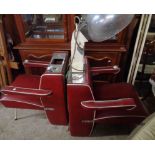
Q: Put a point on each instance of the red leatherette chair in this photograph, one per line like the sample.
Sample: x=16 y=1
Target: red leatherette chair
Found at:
x=88 y=103
x=45 y=92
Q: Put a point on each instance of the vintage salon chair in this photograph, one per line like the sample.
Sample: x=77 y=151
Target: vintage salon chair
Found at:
x=45 y=92
x=90 y=103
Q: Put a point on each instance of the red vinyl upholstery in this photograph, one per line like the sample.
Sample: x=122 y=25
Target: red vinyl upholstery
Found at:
x=45 y=92
x=97 y=102
x=24 y=81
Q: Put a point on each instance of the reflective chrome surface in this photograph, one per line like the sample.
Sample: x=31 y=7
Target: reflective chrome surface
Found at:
x=104 y=26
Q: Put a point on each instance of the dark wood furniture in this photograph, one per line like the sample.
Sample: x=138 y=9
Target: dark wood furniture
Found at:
x=33 y=42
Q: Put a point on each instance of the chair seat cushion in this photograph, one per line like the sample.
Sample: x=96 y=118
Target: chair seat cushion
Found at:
x=27 y=81
x=117 y=91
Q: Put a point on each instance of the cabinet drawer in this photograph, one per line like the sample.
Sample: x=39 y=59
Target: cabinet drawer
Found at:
x=104 y=58
x=26 y=54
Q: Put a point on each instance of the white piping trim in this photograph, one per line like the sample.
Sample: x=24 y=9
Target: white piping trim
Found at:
x=86 y=86
x=108 y=117
x=117 y=70
x=94 y=115
x=93 y=123
x=17 y=92
x=106 y=106
x=100 y=101
x=45 y=109
x=26 y=93
x=23 y=88
x=29 y=103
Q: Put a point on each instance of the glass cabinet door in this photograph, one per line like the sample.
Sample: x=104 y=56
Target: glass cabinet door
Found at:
x=44 y=26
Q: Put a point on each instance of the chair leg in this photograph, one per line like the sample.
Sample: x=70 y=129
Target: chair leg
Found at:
x=15 y=116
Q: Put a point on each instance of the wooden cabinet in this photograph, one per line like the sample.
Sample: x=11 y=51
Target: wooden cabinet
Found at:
x=43 y=28
x=43 y=34
x=100 y=54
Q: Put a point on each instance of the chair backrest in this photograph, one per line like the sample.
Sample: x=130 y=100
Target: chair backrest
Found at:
x=56 y=69
x=78 y=91
x=54 y=79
